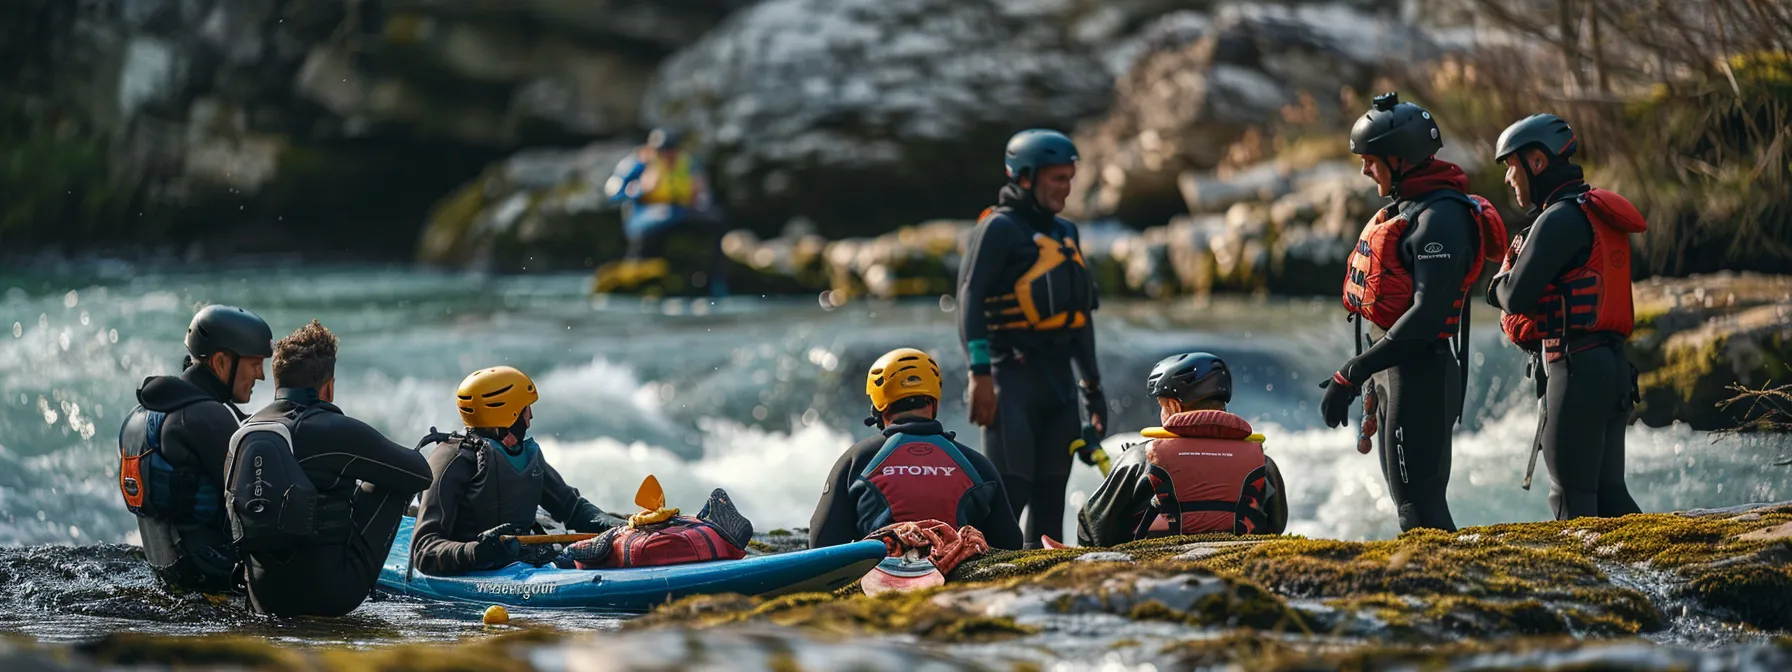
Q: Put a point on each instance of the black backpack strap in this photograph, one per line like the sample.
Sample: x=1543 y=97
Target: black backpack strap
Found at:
x=1414 y=207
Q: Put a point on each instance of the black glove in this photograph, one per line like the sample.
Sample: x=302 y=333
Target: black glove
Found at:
x=1339 y=392
x=1095 y=404
x=491 y=549
x=586 y=517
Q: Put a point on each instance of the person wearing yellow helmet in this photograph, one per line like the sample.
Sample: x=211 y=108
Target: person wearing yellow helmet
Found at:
x=914 y=470
x=489 y=481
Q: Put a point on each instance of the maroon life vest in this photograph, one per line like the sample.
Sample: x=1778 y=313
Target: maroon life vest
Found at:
x=1207 y=477
x=915 y=477
x=681 y=540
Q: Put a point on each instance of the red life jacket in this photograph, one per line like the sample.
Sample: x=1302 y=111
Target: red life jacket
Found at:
x=914 y=478
x=1378 y=287
x=1210 y=477
x=1594 y=297
x=681 y=540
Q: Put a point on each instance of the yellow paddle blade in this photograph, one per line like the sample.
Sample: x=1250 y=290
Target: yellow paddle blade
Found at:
x=650 y=497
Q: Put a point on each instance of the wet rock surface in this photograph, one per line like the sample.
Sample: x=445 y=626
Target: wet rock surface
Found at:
x=1582 y=594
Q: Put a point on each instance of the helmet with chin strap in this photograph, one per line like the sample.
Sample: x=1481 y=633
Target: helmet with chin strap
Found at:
x=1546 y=133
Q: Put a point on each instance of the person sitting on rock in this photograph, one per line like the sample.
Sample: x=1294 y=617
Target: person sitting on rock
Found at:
x=664 y=190
x=914 y=471
x=1203 y=471
x=490 y=480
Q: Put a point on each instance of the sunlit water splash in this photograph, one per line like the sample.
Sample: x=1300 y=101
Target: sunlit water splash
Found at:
x=759 y=396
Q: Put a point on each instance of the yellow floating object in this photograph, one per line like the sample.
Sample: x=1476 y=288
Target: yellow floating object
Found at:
x=496 y=615
x=1255 y=438
x=1157 y=433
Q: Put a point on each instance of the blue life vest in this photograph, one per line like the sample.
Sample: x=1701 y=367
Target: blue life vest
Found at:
x=158 y=489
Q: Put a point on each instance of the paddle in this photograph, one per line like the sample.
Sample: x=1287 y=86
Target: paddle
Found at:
x=530 y=539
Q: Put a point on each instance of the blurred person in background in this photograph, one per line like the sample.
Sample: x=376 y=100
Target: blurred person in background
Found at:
x=665 y=191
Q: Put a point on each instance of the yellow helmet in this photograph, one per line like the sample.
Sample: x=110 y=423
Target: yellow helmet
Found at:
x=494 y=397
x=900 y=374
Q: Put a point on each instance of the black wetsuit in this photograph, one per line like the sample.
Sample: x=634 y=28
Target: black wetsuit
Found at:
x=839 y=515
x=478 y=489
x=193 y=554
x=346 y=460
x=1113 y=512
x=1414 y=372
x=1587 y=396
x=1037 y=412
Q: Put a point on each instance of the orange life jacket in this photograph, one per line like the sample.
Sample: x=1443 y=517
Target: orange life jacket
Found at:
x=1209 y=475
x=1378 y=287
x=1591 y=298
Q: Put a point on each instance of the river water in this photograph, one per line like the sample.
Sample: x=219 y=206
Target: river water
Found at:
x=755 y=395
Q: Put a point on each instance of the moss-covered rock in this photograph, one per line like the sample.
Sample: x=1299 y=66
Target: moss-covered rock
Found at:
x=1696 y=337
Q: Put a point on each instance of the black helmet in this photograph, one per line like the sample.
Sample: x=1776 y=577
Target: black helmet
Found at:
x=229 y=329
x=1544 y=131
x=1190 y=378
x=1396 y=129
x=664 y=138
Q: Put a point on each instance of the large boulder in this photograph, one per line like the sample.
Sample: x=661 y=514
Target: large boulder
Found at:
x=1186 y=104
x=863 y=115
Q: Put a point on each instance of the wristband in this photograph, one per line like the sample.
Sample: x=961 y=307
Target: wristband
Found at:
x=979 y=351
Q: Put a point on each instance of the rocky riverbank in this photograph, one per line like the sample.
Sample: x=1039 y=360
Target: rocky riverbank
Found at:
x=1702 y=589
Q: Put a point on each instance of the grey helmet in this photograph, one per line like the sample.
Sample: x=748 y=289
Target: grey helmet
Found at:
x=1545 y=131
x=1190 y=378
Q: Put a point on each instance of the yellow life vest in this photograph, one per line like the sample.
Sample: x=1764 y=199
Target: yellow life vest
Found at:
x=672 y=185
x=1055 y=293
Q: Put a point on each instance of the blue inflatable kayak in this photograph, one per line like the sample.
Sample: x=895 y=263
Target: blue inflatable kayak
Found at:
x=634 y=589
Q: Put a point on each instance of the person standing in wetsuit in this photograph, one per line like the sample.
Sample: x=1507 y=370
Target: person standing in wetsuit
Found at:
x=1203 y=471
x=1409 y=274
x=173 y=444
x=490 y=480
x=1565 y=292
x=1026 y=302
x=914 y=470
x=363 y=482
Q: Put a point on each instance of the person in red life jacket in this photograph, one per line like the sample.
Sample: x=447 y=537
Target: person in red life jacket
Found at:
x=1411 y=270
x=1565 y=292
x=1203 y=471
x=658 y=536
x=914 y=471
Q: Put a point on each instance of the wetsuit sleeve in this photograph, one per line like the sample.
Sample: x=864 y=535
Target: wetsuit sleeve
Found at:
x=1560 y=234
x=1084 y=355
x=1112 y=512
x=557 y=498
x=999 y=526
x=984 y=256
x=1276 y=509
x=836 y=519
x=355 y=450
x=1447 y=227
x=432 y=550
